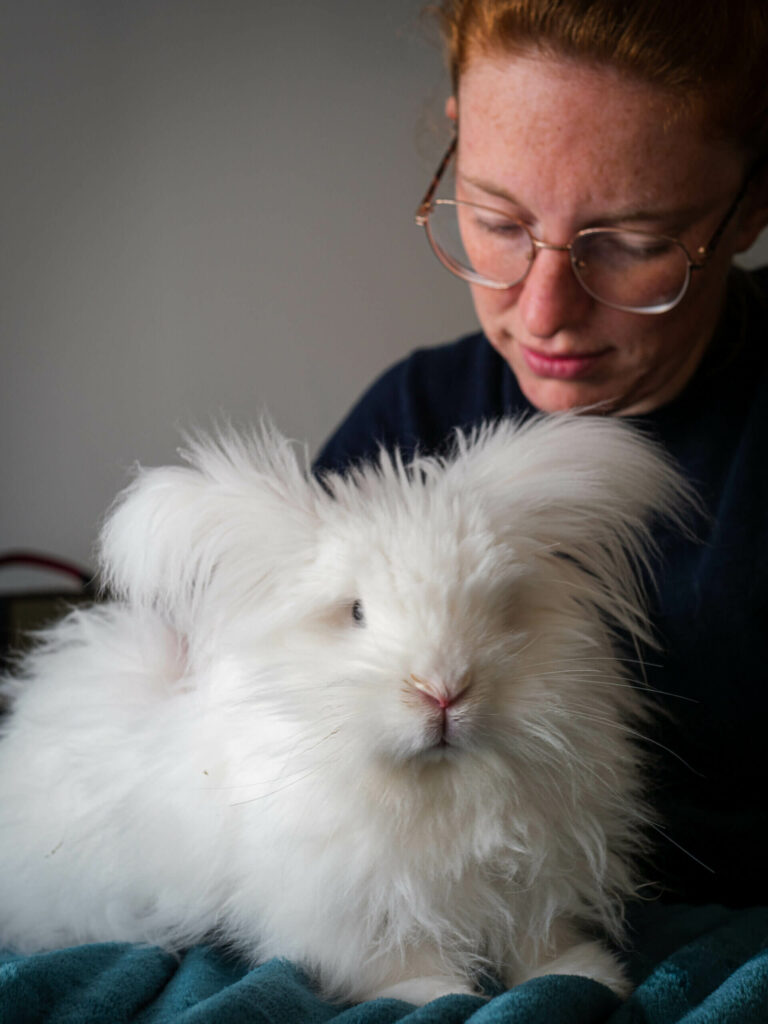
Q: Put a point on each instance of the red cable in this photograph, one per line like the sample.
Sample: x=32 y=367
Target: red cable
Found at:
x=42 y=561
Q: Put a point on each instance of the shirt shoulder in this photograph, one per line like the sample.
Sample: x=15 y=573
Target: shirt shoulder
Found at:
x=418 y=402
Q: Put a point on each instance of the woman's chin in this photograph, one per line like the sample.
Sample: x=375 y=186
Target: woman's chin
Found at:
x=550 y=395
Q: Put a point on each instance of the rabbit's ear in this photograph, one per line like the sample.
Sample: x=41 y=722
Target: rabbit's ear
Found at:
x=178 y=535
x=581 y=475
x=583 y=488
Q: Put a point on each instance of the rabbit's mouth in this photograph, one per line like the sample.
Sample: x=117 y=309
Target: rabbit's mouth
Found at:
x=442 y=750
x=441 y=744
x=444 y=734
x=448 y=729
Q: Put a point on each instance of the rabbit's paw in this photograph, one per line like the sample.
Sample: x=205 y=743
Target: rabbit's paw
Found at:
x=590 y=960
x=423 y=990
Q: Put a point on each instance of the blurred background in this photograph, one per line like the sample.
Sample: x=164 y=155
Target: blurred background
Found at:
x=207 y=211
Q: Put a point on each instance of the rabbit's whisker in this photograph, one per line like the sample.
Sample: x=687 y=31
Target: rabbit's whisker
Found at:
x=574 y=712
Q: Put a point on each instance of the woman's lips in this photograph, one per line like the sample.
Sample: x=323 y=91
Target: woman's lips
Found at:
x=561 y=367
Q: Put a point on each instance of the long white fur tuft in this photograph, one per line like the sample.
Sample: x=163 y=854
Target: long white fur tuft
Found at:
x=377 y=723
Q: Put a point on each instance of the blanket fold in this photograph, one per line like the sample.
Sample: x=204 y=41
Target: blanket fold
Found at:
x=692 y=965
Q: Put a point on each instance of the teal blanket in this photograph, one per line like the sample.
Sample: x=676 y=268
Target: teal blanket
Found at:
x=693 y=965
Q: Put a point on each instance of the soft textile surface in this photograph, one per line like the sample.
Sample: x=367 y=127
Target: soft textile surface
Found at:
x=702 y=965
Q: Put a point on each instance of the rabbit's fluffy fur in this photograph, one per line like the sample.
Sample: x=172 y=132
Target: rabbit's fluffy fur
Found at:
x=374 y=723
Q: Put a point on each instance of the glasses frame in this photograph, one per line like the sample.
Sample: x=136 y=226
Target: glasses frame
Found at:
x=704 y=252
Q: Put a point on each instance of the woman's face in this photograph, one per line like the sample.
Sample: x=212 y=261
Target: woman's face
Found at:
x=563 y=146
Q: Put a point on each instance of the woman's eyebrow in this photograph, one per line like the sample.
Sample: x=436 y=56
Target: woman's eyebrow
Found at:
x=489 y=188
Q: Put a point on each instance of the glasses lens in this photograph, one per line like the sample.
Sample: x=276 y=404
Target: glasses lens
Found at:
x=631 y=270
x=479 y=244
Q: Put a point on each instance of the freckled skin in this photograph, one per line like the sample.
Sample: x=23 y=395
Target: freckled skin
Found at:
x=579 y=146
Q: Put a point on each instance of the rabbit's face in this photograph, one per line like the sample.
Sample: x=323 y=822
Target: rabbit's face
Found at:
x=414 y=654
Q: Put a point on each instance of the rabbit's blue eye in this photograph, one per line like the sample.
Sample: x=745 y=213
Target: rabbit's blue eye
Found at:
x=357 y=612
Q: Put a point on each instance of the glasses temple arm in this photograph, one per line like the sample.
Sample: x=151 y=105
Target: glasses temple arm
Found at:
x=705 y=251
x=426 y=203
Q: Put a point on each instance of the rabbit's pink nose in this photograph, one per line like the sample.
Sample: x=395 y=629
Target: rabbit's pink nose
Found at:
x=439 y=694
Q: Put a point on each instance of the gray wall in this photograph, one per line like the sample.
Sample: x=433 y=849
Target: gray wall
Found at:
x=206 y=210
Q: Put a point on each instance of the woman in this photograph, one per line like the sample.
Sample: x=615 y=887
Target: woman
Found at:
x=608 y=165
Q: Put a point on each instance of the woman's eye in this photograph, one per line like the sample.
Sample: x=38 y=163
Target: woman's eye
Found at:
x=358 y=614
x=507 y=229
x=628 y=246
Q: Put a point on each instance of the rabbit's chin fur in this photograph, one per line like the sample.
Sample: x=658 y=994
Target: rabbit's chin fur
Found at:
x=375 y=723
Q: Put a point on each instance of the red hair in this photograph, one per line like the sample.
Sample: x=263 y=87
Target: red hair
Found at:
x=709 y=52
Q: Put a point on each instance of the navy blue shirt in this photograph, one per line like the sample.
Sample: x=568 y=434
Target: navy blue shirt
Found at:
x=710 y=758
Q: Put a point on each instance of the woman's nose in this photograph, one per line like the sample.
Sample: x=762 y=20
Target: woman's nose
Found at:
x=550 y=298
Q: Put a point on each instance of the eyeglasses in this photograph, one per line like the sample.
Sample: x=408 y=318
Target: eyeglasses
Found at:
x=633 y=271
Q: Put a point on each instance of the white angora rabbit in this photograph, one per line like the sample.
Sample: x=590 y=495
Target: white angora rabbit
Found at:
x=375 y=724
